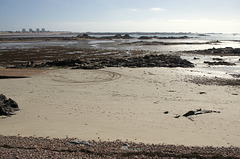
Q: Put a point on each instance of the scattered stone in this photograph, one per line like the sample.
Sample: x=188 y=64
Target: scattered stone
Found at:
x=32 y=147
x=235 y=94
x=202 y=92
x=217 y=59
x=235 y=75
x=195 y=58
x=7 y=106
x=166 y=112
x=177 y=116
x=125 y=146
x=81 y=142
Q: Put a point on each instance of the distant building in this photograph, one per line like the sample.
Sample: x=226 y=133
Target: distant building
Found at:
x=43 y=30
x=30 y=30
x=37 y=30
x=24 y=30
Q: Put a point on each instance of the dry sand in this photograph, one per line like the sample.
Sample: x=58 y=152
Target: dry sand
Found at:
x=122 y=103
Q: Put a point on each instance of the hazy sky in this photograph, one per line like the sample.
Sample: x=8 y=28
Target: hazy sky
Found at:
x=121 y=15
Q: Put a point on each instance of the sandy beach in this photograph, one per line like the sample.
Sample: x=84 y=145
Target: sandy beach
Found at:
x=130 y=104
x=120 y=79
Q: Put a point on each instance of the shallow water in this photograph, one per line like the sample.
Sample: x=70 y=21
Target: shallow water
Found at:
x=165 y=48
x=226 y=40
x=118 y=44
x=207 y=36
x=204 y=69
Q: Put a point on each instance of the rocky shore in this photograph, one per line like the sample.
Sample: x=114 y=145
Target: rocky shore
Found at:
x=32 y=147
x=163 y=88
x=219 y=51
x=167 y=43
x=167 y=37
x=84 y=36
x=96 y=63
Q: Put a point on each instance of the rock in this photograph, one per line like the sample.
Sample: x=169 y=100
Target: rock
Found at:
x=81 y=142
x=145 y=37
x=166 y=112
x=219 y=63
x=217 y=59
x=172 y=37
x=118 y=36
x=97 y=63
x=7 y=106
x=126 y=36
x=83 y=36
x=221 y=51
x=236 y=51
x=235 y=75
x=125 y=146
x=195 y=58
x=177 y=116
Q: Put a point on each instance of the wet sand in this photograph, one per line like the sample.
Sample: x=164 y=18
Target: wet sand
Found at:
x=20 y=73
x=123 y=103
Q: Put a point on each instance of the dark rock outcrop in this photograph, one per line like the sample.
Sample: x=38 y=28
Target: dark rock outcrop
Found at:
x=96 y=63
x=220 y=63
x=7 y=106
x=118 y=36
x=126 y=36
x=145 y=37
x=156 y=37
x=83 y=36
x=171 y=37
x=218 y=51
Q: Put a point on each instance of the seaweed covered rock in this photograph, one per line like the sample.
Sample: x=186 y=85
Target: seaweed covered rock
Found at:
x=7 y=106
x=83 y=36
x=127 y=36
x=143 y=61
x=227 y=51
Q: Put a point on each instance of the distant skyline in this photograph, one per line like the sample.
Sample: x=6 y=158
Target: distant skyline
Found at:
x=221 y=16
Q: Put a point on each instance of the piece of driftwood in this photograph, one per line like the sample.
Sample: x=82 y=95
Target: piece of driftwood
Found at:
x=198 y=112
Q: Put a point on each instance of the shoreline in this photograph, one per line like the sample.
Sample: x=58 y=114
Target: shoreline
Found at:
x=117 y=106
x=122 y=103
